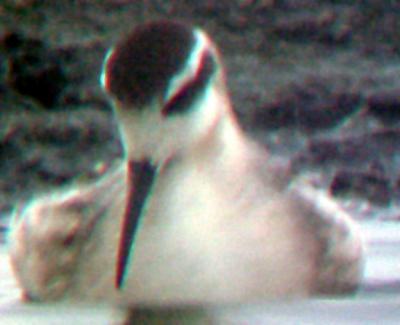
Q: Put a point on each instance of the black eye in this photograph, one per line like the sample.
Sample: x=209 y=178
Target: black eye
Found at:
x=183 y=100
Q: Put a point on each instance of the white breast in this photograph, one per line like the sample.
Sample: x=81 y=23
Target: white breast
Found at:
x=210 y=240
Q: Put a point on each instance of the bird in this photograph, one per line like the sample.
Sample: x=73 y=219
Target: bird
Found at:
x=195 y=213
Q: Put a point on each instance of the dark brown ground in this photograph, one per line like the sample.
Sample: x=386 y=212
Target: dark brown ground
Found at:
x=316 y=81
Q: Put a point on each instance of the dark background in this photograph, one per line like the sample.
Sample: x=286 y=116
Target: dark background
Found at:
x=317 y=82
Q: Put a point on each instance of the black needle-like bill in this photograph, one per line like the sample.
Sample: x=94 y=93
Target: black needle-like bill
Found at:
x=141 y=176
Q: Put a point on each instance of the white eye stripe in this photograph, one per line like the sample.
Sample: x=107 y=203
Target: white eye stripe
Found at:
x=104 y=76
x=191 y=67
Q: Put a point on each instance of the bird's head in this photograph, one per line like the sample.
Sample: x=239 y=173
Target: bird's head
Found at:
x=167 y=87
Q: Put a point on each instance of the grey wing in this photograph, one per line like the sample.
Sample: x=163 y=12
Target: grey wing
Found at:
x=339 y=263
x=47 y=235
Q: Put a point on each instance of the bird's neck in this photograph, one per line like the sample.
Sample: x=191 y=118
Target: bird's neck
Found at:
x=225 y=137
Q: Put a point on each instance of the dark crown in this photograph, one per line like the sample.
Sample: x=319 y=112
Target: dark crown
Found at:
x=142 y=64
